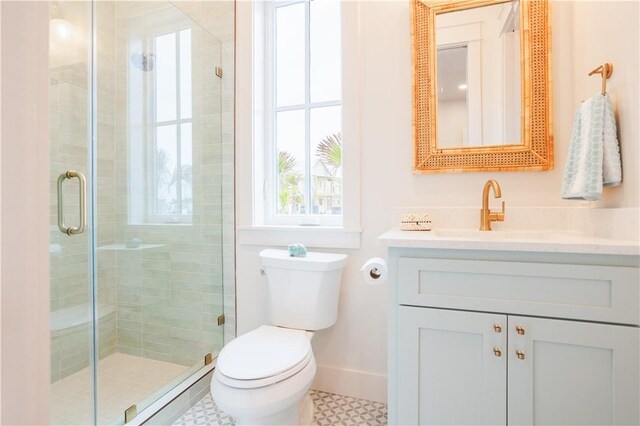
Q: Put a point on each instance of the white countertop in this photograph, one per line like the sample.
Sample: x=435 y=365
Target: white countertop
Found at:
x=509 y=240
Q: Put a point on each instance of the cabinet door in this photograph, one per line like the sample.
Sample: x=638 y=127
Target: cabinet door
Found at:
x=572 y=373
x=448 y=371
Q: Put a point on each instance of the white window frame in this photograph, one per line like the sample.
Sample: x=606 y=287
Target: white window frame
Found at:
x=152 y=194
x=250 y=137
x=271 y=110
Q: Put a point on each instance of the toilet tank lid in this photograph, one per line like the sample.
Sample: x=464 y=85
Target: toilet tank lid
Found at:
x=263 y=352
x=314 y=261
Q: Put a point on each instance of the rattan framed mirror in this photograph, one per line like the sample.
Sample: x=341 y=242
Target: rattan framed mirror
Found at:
x=531 y=144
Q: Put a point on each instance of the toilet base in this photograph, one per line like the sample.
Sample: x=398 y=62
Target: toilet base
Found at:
x=297 y=415
x=306 y=412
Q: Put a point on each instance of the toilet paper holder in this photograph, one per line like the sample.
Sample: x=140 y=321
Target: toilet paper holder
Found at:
x=375 y=273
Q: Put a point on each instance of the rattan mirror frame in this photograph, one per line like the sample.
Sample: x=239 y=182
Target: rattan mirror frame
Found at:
x=535 y=153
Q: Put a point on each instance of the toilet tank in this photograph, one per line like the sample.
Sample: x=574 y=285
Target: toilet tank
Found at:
x=303 y=291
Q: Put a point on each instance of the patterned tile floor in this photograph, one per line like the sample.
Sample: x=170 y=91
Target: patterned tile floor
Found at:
x=330 y=409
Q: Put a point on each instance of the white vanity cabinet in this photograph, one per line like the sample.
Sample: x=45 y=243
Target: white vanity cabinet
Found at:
x=448 y=371
x=572 y=373
x=513 y=338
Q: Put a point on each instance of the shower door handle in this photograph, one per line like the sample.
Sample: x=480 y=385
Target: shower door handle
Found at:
x=71 y=230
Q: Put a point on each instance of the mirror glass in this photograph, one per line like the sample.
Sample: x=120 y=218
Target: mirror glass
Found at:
x=478 y=76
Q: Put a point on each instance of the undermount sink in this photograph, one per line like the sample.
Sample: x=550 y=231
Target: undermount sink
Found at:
x=475 y=234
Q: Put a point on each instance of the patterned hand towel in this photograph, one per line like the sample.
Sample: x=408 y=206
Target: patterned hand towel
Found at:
x=594 y=153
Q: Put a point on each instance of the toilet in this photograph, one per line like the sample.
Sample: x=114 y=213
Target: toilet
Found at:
x=263 y=377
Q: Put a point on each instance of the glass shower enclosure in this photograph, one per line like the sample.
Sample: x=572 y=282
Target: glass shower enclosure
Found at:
x=136 y=205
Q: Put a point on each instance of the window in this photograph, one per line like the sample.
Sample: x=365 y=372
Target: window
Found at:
x=171 y=156
x=303 y=97
x=159 y=127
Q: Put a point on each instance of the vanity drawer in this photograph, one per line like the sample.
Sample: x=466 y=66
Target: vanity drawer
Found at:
x=593 y=293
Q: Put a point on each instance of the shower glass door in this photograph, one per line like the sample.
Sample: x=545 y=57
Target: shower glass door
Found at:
x=70 y=260
x=135 y=298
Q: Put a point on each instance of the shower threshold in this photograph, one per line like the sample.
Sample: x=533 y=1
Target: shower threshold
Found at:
x=123 y=380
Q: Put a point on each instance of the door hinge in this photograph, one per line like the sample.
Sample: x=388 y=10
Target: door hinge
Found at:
x=219 y=71
x=130 y=413
x=208 y=359
x=221 y=320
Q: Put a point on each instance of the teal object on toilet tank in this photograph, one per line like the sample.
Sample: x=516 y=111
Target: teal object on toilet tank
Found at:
x=297 y=250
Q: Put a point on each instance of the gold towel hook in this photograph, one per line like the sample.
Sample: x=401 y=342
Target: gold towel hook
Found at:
x=605 y=70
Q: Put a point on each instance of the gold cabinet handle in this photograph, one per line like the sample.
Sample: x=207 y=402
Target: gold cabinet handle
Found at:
x=497 y=352
x=497 y=328
x=71 y=230
x=520 y=330
x=520 y=354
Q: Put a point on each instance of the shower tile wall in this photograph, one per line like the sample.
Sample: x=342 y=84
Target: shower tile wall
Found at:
x=69 y=268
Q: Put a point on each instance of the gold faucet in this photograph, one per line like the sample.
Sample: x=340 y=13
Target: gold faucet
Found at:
x=486 y=215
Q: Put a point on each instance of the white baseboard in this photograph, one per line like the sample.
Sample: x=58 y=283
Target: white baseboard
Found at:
x=358 y=384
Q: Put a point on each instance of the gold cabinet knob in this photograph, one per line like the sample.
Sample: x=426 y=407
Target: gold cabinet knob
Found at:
x=520 y=354
x=520 y=330
x=497 y=352
x=497 y=328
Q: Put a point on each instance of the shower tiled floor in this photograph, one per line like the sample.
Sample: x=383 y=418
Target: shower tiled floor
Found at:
x=330 y=409
x=123 y=380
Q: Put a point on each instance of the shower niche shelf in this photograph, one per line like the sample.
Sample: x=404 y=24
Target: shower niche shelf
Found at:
x=124 y=247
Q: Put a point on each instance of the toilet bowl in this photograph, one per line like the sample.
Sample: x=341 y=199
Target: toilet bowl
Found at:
x=263 y=377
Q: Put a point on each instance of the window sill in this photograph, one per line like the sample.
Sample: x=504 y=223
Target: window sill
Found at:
x=316 y=236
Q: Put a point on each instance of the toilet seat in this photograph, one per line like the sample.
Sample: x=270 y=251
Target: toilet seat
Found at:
x=257 y=383
x=263 y=356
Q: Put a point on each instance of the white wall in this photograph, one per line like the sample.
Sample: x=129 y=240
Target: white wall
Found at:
x=608 y=31
x=0 y=216
x=352 y=355
x=25 y=207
